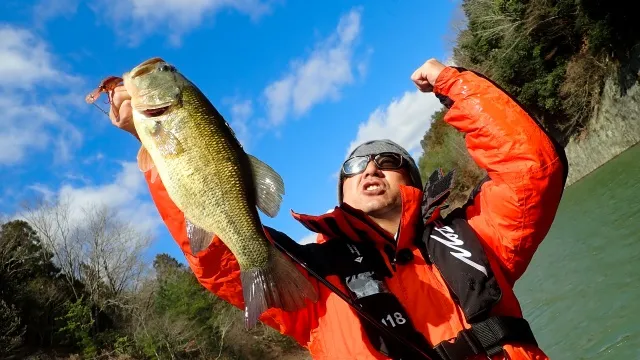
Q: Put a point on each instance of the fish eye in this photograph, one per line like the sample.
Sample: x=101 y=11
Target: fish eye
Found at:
x=166 y=67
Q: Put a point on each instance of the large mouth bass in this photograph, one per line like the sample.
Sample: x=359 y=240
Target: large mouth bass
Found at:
x=214 y=182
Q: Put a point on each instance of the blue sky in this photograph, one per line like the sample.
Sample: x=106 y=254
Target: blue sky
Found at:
x=300 y=82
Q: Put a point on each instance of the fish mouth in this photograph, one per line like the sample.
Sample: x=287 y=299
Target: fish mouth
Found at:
x=154 y=111
x=145 y=68
x=151 y=113
x=150 y=100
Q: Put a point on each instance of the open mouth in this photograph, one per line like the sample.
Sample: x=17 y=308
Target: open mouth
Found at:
x=373 y=188
x=150 y=113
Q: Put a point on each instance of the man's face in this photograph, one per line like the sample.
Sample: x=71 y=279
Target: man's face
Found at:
x=374 y=191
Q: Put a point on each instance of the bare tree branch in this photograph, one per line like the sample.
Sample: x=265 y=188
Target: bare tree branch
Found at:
x=93 y=246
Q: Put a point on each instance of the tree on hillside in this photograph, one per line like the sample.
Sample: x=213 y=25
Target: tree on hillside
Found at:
x=21 y=253
x=93 y=246
x=11 y=329
x=444 y=148
x=165 y=265
x=32 y=294
x=14 y=268
x=552 y=55
x=100 y=257
x=175 y=317
x=87 y=306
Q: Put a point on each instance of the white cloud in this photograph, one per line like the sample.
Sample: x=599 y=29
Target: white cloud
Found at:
x=107 y=226
x=17 y=136
x=31 y=121
x=26 y=126
x=320 y=76
x=125 y=194
x=49 y=9
x=25 y=60
x=308 y=239
x=241 y=112
x=99 y=156
x=43 y=190
x=404 y=121
x=138 y=18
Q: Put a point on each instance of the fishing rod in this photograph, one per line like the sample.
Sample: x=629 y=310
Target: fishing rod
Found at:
x=432 y=354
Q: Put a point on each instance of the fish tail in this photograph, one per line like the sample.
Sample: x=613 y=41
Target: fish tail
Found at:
x=279 y=285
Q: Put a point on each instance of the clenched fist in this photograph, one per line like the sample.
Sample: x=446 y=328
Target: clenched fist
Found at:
x=427 y=74
x=120 y=112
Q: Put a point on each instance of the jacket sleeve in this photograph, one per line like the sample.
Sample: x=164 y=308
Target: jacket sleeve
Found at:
x=514 y=209
x=217 y=270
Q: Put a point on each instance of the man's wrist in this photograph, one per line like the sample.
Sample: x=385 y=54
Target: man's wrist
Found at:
x=434 y=71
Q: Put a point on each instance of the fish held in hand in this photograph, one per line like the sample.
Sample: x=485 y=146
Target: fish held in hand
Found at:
x=214 y=182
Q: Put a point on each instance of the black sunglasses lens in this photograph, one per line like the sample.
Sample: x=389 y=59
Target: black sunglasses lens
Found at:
x=384 y=161
x=388 y=161
x=355 y=165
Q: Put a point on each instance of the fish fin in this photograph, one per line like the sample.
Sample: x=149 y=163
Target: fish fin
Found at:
x=199 y=238
x=145 y=163
x=269 y=187
x=154 y=175
x=281 y=285
x=167 y=143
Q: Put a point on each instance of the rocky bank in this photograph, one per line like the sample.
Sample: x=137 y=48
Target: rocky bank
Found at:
x=613 y=128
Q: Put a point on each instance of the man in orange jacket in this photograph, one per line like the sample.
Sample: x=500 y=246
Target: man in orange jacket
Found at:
x=443 y=285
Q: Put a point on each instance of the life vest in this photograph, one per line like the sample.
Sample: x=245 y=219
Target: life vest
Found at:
x=452 y=246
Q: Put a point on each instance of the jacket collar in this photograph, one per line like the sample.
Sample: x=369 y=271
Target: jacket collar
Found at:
x=346 y=221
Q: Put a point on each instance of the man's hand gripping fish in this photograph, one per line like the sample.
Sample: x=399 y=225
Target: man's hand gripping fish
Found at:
x=213 y=182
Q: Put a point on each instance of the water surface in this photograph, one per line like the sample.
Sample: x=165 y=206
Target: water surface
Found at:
x=581 y=292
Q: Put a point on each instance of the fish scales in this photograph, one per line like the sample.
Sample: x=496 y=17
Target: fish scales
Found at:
x=220 y=206
x=218 y=187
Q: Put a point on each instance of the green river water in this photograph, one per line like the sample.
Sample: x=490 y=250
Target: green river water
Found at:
x=581 y=292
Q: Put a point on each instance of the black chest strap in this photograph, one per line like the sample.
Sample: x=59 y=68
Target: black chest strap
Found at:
x=486 y=337
x=453 y=247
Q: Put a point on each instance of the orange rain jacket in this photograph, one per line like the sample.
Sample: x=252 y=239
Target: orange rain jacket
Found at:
x=511 y=215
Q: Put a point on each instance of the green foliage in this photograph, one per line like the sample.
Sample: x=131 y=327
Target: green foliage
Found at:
x=171 y=316
x=179 y=294
x=30 y=288
x=537 y=50
x=124 y=345
x=552 y=56
x=444 y=148
x=11 y=329
x=77 y=324
x=189 y=310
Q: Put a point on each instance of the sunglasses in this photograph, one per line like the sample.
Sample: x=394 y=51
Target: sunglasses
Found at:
x=384 y=161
